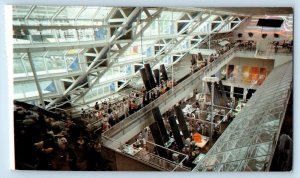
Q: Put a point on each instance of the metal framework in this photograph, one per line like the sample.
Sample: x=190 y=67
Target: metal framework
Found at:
x=69 y=28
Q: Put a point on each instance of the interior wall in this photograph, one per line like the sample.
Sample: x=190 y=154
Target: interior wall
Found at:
x=121 y=162
x=253 y=62
x=109 y=154
x=125 y=163
x=243 y=71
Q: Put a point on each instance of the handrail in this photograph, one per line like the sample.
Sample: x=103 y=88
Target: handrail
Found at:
x=162 y=163
x=160 y=99
x=180 y=164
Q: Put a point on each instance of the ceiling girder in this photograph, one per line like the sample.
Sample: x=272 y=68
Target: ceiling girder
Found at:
x=131 y=18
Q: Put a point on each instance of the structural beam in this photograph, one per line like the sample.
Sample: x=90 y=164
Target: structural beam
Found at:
x=30 y=12
x=61 y=27
x=20 y=48
x=122 y=50
x=36 y=79
x=130 y=20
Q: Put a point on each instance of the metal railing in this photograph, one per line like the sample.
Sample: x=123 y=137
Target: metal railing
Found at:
x=150 y=158
x=171 y=93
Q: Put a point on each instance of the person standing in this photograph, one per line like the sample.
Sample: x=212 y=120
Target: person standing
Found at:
x=97 y=106
x=276 y=47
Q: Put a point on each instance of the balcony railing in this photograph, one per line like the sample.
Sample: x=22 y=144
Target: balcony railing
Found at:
x=181 y=87
x=141 y=154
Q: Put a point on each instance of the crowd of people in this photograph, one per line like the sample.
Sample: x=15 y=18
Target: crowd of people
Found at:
x=72 y=137
x=277 y=46
x=195 y=66
x=284 y=46
x=197 y=124
x=45 y=143
x=109 y=113
x=249 y=45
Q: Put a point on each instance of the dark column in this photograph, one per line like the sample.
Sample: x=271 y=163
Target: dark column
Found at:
x=157 y=76
x=145 y=79
x=223 y=92
x=158 y=139
x=194 y=59
x=158 y=118
x=150 y=75
x=200 y=58
x=217 y=95
x=176 y=132
x=182 y=122
x=163 y=72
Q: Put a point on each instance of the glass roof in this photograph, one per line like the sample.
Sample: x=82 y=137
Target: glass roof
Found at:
x=20 y=11
x=69 y=12
x=168 y=15
x=50 y=27
x=88 y=13
x=102 y=14
x=44 y=12
x=247 y=143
